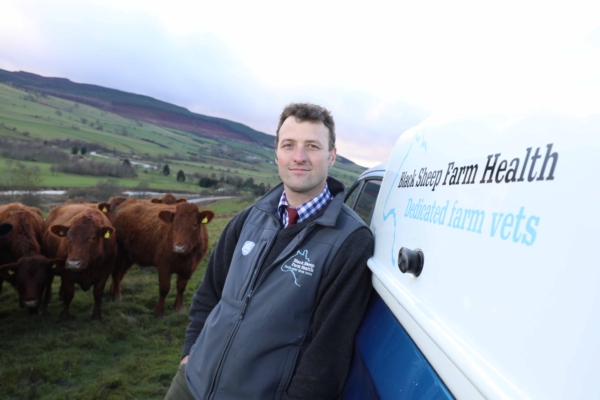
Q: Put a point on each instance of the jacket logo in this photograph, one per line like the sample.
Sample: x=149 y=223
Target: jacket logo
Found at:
x=248 y=246
x=299 y=263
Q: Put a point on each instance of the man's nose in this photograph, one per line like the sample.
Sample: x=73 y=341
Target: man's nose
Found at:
x=299 y=154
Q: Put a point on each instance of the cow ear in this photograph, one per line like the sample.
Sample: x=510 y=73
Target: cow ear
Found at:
x=104 y=207
x=56 y=266
x=8 y=271
x=182 y=200
x=107 y=231
x=166 y=216
x=59 y=230
x=156 y=201
x=206 y=216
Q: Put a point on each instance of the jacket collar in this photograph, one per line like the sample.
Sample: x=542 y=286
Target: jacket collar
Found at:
x=269 y=202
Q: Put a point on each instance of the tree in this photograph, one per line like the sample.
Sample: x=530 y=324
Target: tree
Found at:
x=21 y=178
x=126 y=163
x=207 y=182
x=74 y=150
x=166 y=170
x=83 y=151
x=180 y=176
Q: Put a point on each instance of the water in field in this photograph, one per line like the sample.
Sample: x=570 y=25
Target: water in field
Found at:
x=193 y=198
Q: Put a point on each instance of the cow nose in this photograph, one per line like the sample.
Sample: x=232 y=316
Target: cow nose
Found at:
x=30 y=303
x=74 y=264
x=179 y=249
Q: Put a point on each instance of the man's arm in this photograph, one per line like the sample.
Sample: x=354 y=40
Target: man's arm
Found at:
x=209 y=292
x=341 y=303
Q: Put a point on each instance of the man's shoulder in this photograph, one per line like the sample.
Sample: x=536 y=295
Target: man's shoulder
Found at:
x=352 y=214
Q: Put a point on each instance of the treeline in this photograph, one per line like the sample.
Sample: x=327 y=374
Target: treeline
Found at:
x=90 y=167
x=30 y=151
x=238 y=183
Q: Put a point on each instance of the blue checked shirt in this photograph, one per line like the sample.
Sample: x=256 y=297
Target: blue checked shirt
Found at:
x=307 y=209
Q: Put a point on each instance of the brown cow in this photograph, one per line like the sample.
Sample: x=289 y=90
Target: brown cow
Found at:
x=168 y=198
x=173 y=238
x=30 y=276
x=26 y=235
x=81 y=235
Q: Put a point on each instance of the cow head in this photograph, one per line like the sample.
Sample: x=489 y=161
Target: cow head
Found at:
x=188 y=226
x=5 y=228
x=29 y=276
x=26 y=233
x=83 y=241
x=168 y=199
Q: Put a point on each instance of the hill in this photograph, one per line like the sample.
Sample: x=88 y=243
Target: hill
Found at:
x=31 y=117
x=136 y=106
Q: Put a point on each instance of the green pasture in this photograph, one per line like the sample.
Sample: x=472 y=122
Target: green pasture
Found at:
x=30 y=116
x=129 y=355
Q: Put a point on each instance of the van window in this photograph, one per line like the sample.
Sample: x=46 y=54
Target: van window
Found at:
x=352 y=195
x=366 y=201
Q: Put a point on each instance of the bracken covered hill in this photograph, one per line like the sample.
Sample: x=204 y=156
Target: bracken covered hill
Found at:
x=136 y=106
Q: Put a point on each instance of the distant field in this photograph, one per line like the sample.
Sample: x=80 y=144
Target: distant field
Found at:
x=29 y=116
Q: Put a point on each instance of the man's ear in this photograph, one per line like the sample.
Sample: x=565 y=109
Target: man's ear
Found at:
x=332 y=155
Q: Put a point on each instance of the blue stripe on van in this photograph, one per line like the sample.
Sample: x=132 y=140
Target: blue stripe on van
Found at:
x=387 y=364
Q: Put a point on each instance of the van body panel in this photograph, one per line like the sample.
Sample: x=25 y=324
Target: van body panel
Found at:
x=505 y=210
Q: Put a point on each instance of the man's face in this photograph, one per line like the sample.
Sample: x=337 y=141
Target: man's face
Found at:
x=303 y=159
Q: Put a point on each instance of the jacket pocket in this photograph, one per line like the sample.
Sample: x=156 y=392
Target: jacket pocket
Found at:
x=288 y=370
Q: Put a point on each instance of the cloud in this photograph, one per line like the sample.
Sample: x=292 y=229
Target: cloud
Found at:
x=381 y=68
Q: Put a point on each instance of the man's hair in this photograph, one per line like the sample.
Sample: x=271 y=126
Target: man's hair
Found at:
x=311 y=113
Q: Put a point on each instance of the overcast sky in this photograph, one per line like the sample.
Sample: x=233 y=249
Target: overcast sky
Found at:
x=380 y=67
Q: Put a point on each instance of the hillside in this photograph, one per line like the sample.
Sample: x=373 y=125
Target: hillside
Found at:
x=29 y=114
x=136 y=106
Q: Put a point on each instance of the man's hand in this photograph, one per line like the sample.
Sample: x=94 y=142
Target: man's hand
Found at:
x=184 y=360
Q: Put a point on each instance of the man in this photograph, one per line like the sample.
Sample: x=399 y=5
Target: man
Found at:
x=287 y=284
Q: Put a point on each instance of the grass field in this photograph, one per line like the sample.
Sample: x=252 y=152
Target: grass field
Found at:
x=129 y=355
x=33 y=117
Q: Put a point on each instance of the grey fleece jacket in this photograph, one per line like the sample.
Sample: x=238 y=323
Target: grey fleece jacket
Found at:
x=342 y=299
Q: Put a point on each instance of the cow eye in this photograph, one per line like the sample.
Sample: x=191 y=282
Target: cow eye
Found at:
x=196 y=225
x=94 y=238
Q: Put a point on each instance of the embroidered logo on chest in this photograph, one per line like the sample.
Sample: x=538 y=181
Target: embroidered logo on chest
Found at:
x=248 y=246
x=298 y=264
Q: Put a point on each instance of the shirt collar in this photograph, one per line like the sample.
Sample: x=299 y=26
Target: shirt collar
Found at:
x=305 y=210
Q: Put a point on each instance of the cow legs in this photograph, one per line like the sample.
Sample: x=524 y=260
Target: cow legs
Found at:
x=48 y=291
x=122 y=265
x=181 y=285
x=67 y=289
x=164 y=285
x=98 y=291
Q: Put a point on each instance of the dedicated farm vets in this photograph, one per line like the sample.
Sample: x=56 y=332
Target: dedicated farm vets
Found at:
x=287 y=284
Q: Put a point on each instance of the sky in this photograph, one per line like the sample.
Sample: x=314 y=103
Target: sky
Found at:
x=379 y=67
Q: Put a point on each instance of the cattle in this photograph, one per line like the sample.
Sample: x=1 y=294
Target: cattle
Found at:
x=168 y=198
x=31 y=276
x=5 y=229
x=173 y=238
x=81 y=235
x=26 y=235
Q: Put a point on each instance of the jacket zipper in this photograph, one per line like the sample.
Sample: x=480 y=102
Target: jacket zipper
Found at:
x=212 y=391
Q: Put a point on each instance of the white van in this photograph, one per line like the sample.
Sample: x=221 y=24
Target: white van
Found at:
x=486 y=271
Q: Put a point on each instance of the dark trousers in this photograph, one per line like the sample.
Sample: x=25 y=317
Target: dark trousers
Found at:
x=179 y=389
